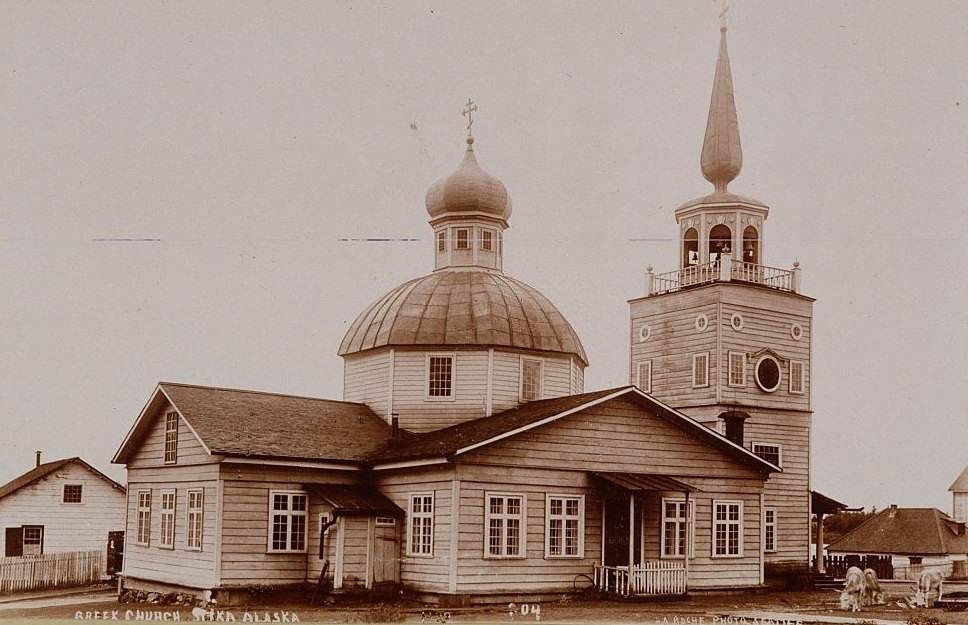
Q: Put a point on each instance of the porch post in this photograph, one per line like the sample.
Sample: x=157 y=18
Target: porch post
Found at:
x=631 y=535
x=685 y=556
x=818 y=563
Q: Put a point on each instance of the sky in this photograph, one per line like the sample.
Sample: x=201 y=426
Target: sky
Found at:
x=210 y=192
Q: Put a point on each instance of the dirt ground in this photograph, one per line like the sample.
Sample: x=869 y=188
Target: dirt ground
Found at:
x=768 y=608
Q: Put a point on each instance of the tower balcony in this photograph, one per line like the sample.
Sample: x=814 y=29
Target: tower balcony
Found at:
x=726 y=269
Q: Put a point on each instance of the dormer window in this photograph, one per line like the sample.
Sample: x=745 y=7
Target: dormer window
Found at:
x=462 y=239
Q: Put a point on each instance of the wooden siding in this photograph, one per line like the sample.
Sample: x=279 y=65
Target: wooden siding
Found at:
x=68 y=527
x=556 y=372
x=366 y=379
x=177 y=565
x=151 y=451
x=428 y=574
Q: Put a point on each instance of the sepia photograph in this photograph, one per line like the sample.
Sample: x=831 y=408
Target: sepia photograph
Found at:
x=554 y=311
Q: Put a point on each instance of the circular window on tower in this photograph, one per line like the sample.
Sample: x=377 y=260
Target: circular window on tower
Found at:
x=702 y=322
x=736 y=321
x=768 y=373
x=645 y=333
x=796 y=331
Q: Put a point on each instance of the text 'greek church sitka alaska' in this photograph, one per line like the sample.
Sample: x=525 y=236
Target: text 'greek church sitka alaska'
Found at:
x=466 y=462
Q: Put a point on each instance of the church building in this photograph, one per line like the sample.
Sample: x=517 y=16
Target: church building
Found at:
x=466 y=462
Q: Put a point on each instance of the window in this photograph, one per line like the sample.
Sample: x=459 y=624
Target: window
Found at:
x=462 y=240
x=144 y=517
x=287 y=521
x=565 y=526
x=530 y=379
x=504 y=518
x=442 y=241
x=440 y=377
x=487 y=240
x=33 y=540
x=167 y=539
x=385 y=521
x=769 y=529
x=674 y=528
x=72 y=493
x=644 y=376
x=796 y=377
x=768 y=452
x=193 y=537
x=737 y=369
x=700 y=369
x=768 y=373
x=420 y=522
x=727 y=528
x=171 y=437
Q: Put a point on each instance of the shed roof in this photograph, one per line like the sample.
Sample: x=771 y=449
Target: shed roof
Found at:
x=254 y=424
x=905 y=531
x=43 y=470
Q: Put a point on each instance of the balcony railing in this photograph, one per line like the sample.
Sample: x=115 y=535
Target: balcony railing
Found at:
x=724 y=270
x=650 y=578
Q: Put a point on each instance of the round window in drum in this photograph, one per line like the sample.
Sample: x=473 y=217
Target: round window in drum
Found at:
x=767 y=373
x=736 y=321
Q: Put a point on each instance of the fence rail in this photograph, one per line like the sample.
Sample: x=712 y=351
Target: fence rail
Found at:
x=648 y=578
x=50 y=570
x=837 y=565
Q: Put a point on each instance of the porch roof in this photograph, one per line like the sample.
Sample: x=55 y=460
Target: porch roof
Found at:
x=645 y=481
x=348 y=500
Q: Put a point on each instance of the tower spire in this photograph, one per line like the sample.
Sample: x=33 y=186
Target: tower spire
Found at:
x=722 y=156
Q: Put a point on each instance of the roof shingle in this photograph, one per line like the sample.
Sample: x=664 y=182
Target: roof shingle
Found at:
x=904 y=531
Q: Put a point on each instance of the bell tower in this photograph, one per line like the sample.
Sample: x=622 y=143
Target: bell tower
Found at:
x=726 y=338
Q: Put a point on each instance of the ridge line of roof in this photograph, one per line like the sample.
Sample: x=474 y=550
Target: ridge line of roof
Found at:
x=256 y=392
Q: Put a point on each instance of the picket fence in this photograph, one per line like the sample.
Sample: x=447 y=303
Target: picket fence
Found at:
x=50 y=570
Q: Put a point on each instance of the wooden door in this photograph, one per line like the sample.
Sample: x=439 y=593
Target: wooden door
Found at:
x=115 y=552
x=386 y=552
x=13 y=542
x=617 y=534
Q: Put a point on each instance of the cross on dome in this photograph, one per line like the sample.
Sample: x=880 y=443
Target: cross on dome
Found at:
x=468 y=112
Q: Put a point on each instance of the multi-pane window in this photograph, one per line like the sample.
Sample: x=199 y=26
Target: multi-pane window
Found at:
x=644 y=376
x=440 y=376
x=167 y=538
x=530 y=379
x=564 y=527
x=727 y=528
x=769 y=529
x=462 y=239
x=674 y=528
x=72 y=493
x=194 y=519
x=737 y=369
x=487 y=240
x=33 y=537
x=769 y=452
x=796 y=377
x=442 y=241
x=144 y=517
x=287 y=521
x=420 y=525
x=700 y=369
x=504 y=518
x=171 y=437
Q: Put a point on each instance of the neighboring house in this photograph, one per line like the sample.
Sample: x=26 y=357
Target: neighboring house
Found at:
x=468 y=464
x=915 y=538
x=59 y=506
x=959 y=497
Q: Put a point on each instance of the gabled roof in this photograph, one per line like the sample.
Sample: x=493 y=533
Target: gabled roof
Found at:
x=904 y=531
x=41 y=471
x=960 y=485
x=470 y=435
x=254 y=424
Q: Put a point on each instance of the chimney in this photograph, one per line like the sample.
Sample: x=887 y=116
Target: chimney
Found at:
x=394 y=428
x=734 y=425
x=37 y=461
x=893 y=512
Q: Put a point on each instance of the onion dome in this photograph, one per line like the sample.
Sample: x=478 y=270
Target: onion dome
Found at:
x=722 y=156
x=469 y=191
x=463 y=308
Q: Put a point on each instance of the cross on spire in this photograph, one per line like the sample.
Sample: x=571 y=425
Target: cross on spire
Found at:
x=722 y=15
x=468 y=112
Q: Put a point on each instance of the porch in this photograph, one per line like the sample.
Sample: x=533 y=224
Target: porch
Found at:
x=629 y=567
